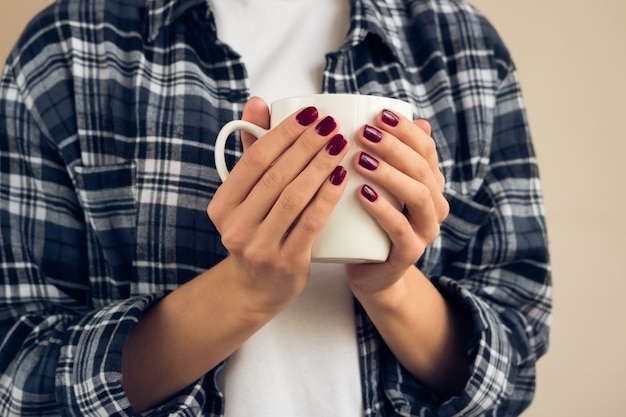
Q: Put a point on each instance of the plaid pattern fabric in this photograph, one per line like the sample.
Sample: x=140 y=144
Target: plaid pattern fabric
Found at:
x=109 y=112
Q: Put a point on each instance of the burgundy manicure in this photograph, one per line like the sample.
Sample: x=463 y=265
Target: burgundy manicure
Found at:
x=338 y=175
x=326 y=126
x=307 y=116
x=368 y=162
x=372 y=134
x=336 y=144
x=369 y=193
x=390 y=118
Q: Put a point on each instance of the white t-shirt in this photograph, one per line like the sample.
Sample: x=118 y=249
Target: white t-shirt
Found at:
x=283 y=42
x=305 y=361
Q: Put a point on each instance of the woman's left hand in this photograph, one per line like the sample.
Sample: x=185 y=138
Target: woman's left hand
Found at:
x=400 y=157
x=426 y=333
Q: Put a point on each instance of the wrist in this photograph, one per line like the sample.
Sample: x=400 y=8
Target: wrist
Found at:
x=423 y=330
x=252 y=303
x=382 y=297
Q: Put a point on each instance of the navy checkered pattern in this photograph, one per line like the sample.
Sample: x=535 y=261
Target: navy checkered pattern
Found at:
x=109 y=111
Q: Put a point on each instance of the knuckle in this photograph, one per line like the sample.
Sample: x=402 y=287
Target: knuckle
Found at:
x=291 y=202
x=443 y=211
x=421 y=169
x=290 y=128
x=234 y=241
x=399 y=228
x=433 y=232
x=216 y=209
x=430 y=149
x=327 y=201
x=213 y=212
x=441 y=179
x=323 y=164
x=395 y=146
x=272 y=179
x=422 y=196
x=311 y=224
x=328 y=196
x=311 y=143
x=254 y=157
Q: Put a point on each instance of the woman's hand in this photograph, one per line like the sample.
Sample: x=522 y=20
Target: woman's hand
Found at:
x=426 y=333
x=276 y=200
x=400 y=157
x=268 y=211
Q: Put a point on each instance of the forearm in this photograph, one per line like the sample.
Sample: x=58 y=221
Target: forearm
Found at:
x=187 y=334
x=427 y=334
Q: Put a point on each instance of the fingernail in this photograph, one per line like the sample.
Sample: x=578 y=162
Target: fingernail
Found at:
x=368 y=162
x=307 y=116
x=390 y=118
x=369 y=193
x=336 y=144
x=326 y=126
x=372 y=134
x=338 y=175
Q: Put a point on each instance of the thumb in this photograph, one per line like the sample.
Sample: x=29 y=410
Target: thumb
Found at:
x=423 y=124
x=255 y=111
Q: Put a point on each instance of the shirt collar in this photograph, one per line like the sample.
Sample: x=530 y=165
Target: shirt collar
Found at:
x=367 y=17
x=381 y=19
x=163 y=12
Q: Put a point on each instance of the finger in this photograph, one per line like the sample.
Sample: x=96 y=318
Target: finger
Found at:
x=427 y=128
x=305 y=231
x=404 y=187
x=407 y=246
x=414 y=134
x=416 y=196
x=407 y=160
x=300 y=210
x=261 y=154
x=255 y=111
x=291 y=164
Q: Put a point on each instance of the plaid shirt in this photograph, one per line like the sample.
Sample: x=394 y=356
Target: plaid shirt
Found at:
x=109 y=111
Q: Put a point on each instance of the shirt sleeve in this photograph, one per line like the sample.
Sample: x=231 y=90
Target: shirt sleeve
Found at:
x=503 y=276
x=493 y=263
x=60 y=350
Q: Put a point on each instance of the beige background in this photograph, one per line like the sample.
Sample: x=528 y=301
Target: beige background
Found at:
x=571 y=56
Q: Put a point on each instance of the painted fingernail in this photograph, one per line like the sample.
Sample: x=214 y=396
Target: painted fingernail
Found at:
x=326 y=126
x=372 y=134
x=338 y=175
x=336 y=144
x=390 y=118
x=307 y=116
x=368 y=162
x=369 y=193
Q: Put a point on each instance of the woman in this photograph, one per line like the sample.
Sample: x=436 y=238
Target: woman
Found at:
x=120 y=295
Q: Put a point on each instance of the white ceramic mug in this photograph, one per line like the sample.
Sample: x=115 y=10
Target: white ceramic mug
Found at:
x=350 y=235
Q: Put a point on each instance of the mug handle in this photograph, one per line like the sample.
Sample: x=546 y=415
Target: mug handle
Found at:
x=222 y=136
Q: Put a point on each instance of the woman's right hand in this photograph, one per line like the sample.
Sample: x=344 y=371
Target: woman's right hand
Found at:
x=275 y=201
x=269 y=212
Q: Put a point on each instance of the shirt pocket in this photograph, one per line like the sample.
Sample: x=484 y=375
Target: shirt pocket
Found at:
x=108 y=195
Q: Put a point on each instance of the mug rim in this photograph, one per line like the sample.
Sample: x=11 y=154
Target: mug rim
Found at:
x=339 y=95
